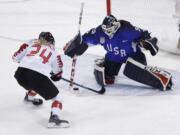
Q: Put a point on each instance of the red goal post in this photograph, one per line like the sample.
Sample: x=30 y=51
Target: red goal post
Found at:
x=108 y=7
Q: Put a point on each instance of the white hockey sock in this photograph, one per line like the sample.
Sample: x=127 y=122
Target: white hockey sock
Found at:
x=56 y=107
x=31 y=95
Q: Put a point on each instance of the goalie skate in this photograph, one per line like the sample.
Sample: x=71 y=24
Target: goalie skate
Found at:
x=55 y=122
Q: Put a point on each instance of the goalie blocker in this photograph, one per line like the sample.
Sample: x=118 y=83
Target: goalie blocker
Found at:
x=152 y=76
x=75 y=46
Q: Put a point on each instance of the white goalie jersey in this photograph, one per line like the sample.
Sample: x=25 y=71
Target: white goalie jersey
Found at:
x=38 y=57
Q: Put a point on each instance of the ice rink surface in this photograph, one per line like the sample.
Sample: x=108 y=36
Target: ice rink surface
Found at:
x=127 y=108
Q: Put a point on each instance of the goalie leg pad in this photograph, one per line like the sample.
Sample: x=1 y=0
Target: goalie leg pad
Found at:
x=151 y=45
x=148 y=75
x=99 y=71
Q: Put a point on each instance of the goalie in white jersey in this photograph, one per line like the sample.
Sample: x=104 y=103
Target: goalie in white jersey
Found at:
x=38 y=62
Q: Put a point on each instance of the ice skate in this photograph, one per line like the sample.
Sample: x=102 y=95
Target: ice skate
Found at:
x=55 y=122
x=35 y=101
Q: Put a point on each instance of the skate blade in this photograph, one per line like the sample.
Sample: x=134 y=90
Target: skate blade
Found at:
x=54 y=125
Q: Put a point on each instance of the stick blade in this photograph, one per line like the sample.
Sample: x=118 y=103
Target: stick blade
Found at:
x=102 y=91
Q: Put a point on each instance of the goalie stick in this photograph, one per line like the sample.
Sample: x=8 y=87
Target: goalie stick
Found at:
x=75 y=57
x=101 y=91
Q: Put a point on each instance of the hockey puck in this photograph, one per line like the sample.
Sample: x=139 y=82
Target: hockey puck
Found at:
x=75 y=88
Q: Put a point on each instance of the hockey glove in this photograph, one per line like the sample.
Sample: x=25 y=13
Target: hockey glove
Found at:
x=151 y=45
x=75 y=46
x=56 y=77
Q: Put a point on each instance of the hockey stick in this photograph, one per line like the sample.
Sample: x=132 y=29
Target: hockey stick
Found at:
x=101 y=91
x=75 y=57
x=12 y=39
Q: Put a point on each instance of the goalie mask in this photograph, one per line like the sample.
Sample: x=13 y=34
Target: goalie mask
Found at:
x=110 y=25
x=46 y=37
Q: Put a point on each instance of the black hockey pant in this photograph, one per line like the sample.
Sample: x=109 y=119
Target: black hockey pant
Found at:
x=32 y=80
x=112 y=68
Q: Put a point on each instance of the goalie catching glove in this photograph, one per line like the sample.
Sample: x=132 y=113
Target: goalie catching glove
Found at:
x=76 y=46
x=151 y=45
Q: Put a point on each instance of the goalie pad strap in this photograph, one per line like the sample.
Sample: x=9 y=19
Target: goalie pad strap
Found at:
x=151 y=76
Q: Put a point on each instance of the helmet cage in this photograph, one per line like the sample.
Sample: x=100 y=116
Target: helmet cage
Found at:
x=110 y=29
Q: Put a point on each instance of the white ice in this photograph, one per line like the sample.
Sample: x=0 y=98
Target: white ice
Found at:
x=126 y=109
